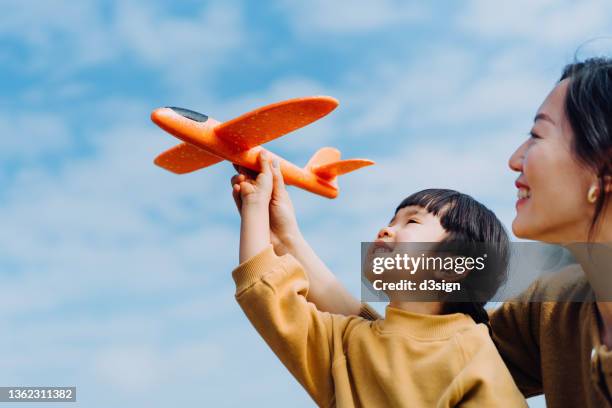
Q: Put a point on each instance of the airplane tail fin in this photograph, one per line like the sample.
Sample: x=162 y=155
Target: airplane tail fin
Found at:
x=326 y=164
x=325 y=155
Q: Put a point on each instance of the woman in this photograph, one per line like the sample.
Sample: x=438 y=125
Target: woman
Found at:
x=561 y=349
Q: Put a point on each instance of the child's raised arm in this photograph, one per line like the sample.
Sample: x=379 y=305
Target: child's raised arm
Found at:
x=326 y=291
x=272 y=290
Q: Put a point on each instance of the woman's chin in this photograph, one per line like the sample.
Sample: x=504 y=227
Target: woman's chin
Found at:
x=525 y=230
x=522 y=228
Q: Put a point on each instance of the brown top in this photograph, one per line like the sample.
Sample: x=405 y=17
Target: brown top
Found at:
x=555 y=347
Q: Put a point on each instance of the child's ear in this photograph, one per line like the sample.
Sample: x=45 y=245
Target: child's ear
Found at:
x=450 y=275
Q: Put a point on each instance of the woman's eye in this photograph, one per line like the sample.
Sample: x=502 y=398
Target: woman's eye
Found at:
x=412 y=222
x=534 y=135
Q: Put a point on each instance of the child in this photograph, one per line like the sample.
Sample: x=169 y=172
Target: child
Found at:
x=417 y=356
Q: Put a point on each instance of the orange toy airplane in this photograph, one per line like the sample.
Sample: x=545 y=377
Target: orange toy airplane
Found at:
x=207 y=141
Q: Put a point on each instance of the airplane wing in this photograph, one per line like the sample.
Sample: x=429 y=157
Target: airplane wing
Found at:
x=269 y=122
x=185 y=158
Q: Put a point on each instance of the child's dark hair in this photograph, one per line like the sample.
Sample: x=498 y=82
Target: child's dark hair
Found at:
x=468 y=223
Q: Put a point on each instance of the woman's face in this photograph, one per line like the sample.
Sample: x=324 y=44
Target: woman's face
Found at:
x=552 y=186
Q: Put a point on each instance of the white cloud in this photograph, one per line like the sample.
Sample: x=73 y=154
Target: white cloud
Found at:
x=138 y=369
x=74 y=30
x=501 y=89
x=542 y=22
x=29 y=135
x=449 y=87
x=403 y=91
x=184 y=50
x=319 y=17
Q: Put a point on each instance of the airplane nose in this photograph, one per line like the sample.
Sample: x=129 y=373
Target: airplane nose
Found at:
x=189 y=114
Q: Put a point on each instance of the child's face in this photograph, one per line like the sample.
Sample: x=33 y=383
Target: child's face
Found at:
x=412 y=224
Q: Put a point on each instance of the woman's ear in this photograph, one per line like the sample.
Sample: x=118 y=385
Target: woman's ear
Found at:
x=607 y=184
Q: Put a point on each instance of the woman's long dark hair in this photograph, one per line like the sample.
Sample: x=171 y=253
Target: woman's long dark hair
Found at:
x=588 y=106
x=470 y=226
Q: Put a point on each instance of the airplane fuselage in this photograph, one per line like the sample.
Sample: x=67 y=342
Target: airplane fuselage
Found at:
x=202 y=135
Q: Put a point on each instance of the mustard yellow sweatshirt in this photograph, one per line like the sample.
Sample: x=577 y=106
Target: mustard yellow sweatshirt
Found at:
x=405 y=360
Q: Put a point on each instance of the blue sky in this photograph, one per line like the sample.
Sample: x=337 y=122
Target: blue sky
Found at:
x=115 y=275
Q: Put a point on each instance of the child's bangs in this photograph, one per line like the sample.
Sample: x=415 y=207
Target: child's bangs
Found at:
x=434 y=201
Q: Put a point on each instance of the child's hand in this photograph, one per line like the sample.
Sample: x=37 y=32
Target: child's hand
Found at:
x=254 y=210
x=284 y=230
x=254 y=191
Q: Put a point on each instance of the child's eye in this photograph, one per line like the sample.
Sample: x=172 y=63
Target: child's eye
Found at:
x=411 y=221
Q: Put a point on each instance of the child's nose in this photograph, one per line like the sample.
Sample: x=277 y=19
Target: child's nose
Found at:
x=385 y=233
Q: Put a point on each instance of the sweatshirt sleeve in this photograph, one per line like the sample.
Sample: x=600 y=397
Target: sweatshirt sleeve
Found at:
x=485 y=381
x=515 y=326
x=271 y=291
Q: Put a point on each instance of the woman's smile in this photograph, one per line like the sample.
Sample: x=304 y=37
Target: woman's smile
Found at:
x=523 y=193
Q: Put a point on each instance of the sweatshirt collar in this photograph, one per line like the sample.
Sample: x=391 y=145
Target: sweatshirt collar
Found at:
x=424 y=325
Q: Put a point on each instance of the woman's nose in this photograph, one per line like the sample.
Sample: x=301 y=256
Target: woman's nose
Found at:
x=385 y=233
x=516 y=160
